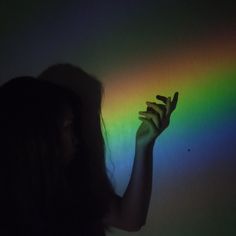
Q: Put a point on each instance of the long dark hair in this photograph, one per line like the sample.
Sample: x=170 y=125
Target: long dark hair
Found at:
x=42 y=195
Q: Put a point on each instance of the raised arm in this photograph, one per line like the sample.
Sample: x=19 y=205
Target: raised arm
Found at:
x=129 y=212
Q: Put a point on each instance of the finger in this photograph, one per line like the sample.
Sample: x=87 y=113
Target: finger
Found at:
x=157 y=108
x=168 y=106
x=148 y=121
x=174 y=101
x=144 y=119
x=154 y=117
x=161 y=106
x=162 y=98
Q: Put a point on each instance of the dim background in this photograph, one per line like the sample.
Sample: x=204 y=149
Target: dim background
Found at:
x=139 y=49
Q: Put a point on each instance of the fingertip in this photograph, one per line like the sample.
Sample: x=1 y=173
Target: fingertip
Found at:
x=176 y=94
x=141 y=118
x=176 y=97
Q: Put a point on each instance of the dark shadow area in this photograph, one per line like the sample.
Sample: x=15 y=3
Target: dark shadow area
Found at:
x=43 y=194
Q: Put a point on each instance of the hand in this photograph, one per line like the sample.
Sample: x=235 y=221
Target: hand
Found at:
x=155 y=120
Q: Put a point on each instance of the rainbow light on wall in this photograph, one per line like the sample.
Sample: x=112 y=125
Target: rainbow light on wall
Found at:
x=204 y=74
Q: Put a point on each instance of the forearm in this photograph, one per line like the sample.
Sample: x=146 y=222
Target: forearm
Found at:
x=136 y=199
x=130 y=211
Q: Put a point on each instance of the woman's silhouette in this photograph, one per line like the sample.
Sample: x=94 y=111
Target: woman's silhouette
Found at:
x=53 y=174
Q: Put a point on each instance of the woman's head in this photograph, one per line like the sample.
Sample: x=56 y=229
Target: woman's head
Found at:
x=35 y=113
x=52 y=149
x=37 y=140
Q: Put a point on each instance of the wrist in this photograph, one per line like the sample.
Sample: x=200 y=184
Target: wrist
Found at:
x=141 y=146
